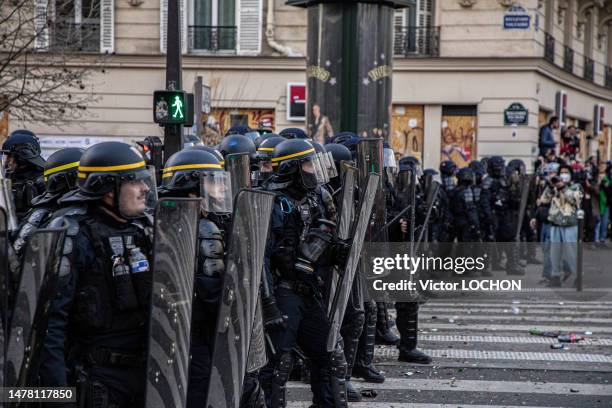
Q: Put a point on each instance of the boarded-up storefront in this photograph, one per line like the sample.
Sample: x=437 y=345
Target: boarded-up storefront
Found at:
x=219 y=121
x=407 y=130
x=458 y=134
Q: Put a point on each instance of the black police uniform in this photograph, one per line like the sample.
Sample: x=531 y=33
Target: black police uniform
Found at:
x=98 y=324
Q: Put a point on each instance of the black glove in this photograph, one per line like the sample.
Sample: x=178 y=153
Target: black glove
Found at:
x=340 y=251
x=273 y=318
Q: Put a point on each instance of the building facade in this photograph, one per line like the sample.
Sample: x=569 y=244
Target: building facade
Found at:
x=471 y=78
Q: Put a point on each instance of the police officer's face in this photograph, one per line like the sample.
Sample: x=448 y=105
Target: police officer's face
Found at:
x=308 y=167
x=215 y=188
x=265 y=167
x=133 y=197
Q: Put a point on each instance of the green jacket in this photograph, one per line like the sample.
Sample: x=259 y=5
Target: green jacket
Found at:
x=602 y=196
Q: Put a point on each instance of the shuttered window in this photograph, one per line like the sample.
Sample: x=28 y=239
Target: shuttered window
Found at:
x=249 y=27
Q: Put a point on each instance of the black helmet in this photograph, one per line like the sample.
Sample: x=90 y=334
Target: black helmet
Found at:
x=477 y=168
x=496 y=166
x=25 y=147
x=292 y=156
x=60 y=174
x=183 y=169
x=342 y=137
x=191 y=140
x=516 y=165
x=407 y=163
x=293 y=133
x=448 y=168
x=210 y=150
x=237 y=144
x=267 y=146
x=263 y=137
x=465 y=175
x=104 y=167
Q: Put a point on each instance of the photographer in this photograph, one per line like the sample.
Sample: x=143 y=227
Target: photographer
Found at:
x=564 y=198
x=570 y=143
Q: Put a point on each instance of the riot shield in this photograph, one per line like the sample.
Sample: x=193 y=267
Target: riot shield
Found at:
x=239 y=167
x=174 y=255
x=346 y=215
x=36 y=289
x=240 y=293
x=257 y=350
x=525 y=184
x=359 y=232
x=7 y=203
x=4 y=275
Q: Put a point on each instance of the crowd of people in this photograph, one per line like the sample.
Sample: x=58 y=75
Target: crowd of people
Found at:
x=97 y=331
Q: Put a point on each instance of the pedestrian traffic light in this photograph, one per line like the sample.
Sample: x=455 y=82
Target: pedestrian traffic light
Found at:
x=170 y=107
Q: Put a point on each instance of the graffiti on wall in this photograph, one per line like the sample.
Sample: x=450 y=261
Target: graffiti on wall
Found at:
x=219 y=121
x=459 y=139
x=407 y=130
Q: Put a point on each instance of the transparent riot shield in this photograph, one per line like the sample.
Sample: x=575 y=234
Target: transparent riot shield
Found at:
x=346 y=216
x=174 y=255
x=257 y=350
x=36 y=289
x=238 y=165
x=4 y=276
x=244 y=266
x=360 y=228
x=7 y=203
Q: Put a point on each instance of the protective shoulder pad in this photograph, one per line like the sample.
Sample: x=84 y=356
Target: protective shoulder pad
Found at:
x=209 y=230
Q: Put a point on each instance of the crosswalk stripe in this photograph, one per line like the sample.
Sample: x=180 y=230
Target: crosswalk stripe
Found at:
x=502 y=355
x=510 y=339
x=306 y=404
x=508 y=309
x=532 y=305
x=515 y=387
x=518 y=318
x=513 y=327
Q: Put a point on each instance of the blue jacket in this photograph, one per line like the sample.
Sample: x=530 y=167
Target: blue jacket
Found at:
x=547 y=137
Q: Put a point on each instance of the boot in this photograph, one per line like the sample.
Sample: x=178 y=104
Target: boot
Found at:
x=351 y=393
x=369 y=374
x=554 y=282
x=384 y=335
x=413 y=356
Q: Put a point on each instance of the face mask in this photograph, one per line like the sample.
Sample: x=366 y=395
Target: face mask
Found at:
x=565 y=177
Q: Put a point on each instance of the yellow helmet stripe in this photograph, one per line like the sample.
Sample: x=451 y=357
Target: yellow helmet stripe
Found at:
x=291 y=156
x=113 y=168
x=81 y=175
x=60 y=168
x=265 y=149
x=167 y=175
x=192 y=166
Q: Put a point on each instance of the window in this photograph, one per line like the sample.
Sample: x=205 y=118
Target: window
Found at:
x=213 y=25
x=415 y=35
x=75 y=25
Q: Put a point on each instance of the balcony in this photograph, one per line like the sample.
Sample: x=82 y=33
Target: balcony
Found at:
x=549 y=48
x=416 y=42
x=608 y=77
x=67 y=36
x=568 y=60
x=589 y=69
x=212 y=38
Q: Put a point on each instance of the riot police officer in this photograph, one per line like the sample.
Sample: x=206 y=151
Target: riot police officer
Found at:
x=497 y=189
x=24 y=167
x=197 y=173
x=447 y=171
x=300 y=241
x=264 y=159
x=102 y=310
x=60 y=176
x=464 y=208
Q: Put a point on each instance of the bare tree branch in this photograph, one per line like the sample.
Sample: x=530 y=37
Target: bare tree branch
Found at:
x=42 y=46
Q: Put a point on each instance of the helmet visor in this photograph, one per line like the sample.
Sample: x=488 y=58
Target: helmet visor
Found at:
x=389 y=158
x=332 y=171
x=216 y=192
x=320 y=161
x=312 y=172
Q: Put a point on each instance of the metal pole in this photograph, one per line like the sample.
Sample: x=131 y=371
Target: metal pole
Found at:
x=580 y=215
x=173 y=134
x=197 y=109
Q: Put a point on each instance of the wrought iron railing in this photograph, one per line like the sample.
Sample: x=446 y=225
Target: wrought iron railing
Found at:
x=568 y=60
x=549 y=48
x=589 y=69
x=75 y=37
x=416 y=41
x=212 y=38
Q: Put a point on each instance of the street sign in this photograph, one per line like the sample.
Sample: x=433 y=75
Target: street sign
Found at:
x=517 y=18
x=516 y=114
x=170 y=107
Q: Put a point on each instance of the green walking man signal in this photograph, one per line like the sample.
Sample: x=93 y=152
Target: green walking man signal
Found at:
x=172 y=107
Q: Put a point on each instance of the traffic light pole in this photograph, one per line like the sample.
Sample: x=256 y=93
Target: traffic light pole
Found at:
x=173 y=133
